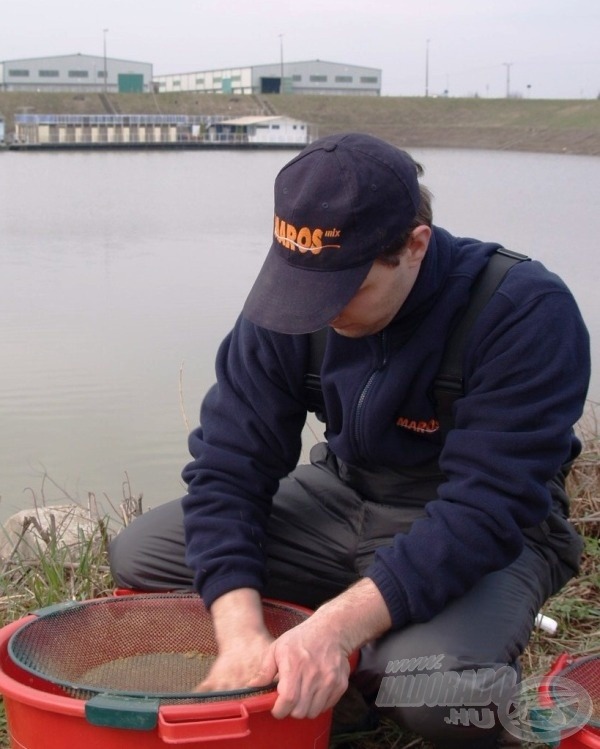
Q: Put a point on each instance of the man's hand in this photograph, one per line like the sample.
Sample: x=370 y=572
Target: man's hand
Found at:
x=311 y=661
x=311 y=668
x=237 y=666
x=243 y=642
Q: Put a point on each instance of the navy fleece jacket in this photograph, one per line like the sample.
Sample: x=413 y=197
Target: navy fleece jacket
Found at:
x=526 y=370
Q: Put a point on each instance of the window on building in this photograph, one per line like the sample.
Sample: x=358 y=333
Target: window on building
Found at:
x=101 y=74
x=318 y=79
x=343 y=79
x=78 y=74
x=200 y=81
x=297 y=78
x=48 y=73
x=16 y=73
x=176 y=83
x=369 y=79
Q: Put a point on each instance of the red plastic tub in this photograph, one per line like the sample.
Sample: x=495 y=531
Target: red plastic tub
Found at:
x=587 y=737
x=41 y=716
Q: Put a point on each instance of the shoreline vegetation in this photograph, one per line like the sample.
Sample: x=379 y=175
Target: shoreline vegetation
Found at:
x=50 y=564
x=533 y=125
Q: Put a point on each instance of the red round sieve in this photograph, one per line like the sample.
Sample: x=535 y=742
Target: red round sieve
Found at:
x=155 y=645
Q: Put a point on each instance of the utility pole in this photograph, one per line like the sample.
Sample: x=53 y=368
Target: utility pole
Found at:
x=427 y=67
x=507 y=65
x=281 y=63
x=105 y=31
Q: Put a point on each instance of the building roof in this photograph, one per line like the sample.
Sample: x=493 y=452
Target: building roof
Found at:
x=255 y=120
x=265 y=65
x=322 y=62
x=73 y=54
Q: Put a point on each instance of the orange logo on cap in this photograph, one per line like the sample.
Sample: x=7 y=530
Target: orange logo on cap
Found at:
x=304 y=239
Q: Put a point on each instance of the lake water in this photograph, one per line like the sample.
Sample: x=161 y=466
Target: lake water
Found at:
x=121 y=273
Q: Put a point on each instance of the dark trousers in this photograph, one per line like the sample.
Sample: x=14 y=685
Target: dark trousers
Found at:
x=322 y=536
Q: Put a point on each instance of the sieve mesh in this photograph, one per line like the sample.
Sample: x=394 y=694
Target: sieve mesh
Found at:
x=585 y=672
x=154 y=645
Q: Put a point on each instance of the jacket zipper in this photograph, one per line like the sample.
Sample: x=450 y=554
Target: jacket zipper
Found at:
x=368 y=385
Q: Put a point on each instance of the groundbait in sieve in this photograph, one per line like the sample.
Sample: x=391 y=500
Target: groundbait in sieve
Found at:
x=158 y=646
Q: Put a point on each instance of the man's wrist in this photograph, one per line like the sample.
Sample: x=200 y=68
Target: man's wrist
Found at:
x=236 y=614
x=356 y=616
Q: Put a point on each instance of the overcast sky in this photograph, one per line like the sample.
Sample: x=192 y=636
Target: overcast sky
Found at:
x=542 y=48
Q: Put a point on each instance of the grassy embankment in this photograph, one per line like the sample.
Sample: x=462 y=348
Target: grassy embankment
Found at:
x=58 y=572
x=554 y=126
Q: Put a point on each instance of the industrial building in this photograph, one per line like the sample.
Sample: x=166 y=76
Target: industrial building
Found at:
x=75 y=73
x=310 y=77
x=96 y=73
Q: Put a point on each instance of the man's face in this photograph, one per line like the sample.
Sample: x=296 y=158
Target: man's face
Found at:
x=382 y=293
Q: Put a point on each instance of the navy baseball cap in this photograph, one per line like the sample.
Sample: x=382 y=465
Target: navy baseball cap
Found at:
x=340 y=203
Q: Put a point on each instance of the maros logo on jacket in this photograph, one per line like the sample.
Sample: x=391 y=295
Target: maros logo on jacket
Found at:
x=420 y=427
x=305 y=239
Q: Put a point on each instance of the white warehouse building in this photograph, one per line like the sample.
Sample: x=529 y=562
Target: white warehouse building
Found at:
x=75 y=73
x=310 y=77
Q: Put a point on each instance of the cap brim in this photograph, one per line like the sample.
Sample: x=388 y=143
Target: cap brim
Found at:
x=288 y=299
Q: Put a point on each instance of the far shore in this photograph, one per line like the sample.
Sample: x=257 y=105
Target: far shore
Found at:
x=543 y=126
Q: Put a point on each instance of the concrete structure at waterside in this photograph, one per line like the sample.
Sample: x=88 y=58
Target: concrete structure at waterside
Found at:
x=98 y=131
x=84 y=73
x=310 y=77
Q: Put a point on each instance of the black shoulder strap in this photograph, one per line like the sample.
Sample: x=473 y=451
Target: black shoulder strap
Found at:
x=312 y=378
x=449 y=384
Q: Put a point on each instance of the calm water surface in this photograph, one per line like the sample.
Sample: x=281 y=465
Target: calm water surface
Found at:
x=121 y=273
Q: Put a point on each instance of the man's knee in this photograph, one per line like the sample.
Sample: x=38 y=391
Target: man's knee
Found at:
x=121 y=556
x=149 y=554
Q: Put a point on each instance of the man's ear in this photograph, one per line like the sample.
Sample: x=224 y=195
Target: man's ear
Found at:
x=418 y=242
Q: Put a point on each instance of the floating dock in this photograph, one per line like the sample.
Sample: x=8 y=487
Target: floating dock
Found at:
x=152 y=131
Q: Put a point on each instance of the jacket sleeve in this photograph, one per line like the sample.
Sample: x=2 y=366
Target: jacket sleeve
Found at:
x=527 y=369
x=248 y=439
